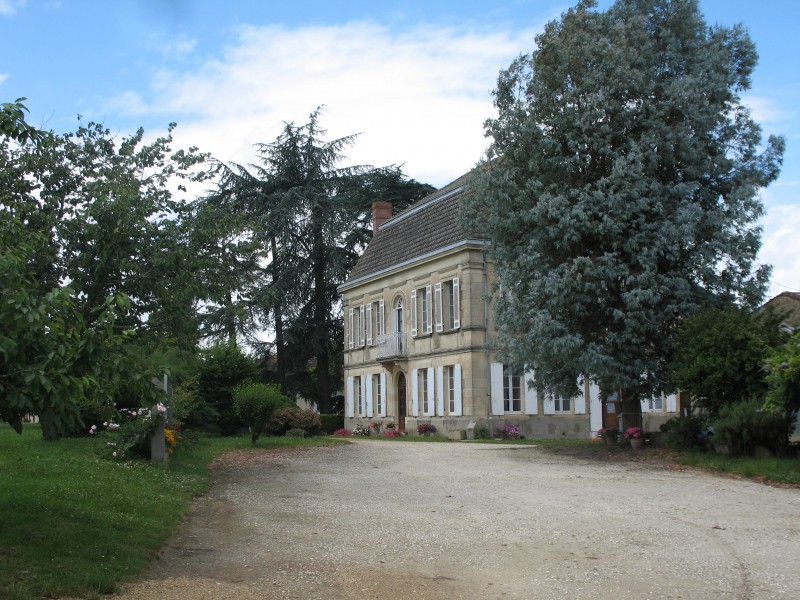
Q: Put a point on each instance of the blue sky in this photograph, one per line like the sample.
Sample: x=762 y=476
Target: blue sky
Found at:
x=412 y=77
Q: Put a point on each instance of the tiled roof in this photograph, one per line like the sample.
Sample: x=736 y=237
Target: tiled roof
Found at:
x=424 y=227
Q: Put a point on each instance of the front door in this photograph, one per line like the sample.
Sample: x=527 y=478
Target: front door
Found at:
x=611 y=412
x=401 y=402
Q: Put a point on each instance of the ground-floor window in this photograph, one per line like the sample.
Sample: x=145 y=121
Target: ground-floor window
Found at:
x=512 y=391
x=379 y=394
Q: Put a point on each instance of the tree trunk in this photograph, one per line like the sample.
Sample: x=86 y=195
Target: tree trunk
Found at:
x=49 y=429
x=320 y=341
x=277 y=314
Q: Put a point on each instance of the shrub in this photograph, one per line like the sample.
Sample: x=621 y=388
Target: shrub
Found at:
x=391 y=433
x=742 y=426
x=255 y=404
x=296 y=433
x=508 y=432
x=483 y=433
x=330 y=423
x=360 y=430
x=294 y=417
x=189 y=407
x=686 y=433
x=223 y=369
x=341 y=432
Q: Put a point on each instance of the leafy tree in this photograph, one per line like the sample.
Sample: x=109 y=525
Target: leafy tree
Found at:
x=620 y=191
x=222 y=369
x=783 y=377
x=255 y=404
x=313 y=217
x=721 y=357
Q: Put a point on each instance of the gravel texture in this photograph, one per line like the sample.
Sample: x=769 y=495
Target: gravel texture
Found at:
x=434 y=521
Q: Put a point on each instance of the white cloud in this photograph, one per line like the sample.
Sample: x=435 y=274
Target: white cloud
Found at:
x=179 y=47
x=781 y=247
x=766 y=110
x=3 y=77
x=9 y=7
x=420 y=97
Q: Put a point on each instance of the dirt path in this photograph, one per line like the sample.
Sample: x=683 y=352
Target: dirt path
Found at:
x=436 y=521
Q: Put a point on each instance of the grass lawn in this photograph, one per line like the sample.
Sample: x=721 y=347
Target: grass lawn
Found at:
x=73 y=522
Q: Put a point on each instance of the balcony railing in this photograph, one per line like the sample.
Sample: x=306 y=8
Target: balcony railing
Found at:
x=392 y=345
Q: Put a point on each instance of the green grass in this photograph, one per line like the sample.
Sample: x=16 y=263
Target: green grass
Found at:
x=772 y=470
x=75 y=523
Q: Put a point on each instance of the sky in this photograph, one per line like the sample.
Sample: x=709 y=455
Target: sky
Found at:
x=412 y=78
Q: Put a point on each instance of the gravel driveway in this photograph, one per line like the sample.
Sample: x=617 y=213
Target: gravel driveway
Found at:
x=431 y=520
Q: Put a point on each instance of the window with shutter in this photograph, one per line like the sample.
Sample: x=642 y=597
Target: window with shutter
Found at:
x=427 y=310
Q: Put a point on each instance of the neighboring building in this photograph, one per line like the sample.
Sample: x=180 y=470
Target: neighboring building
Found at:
x=418 y=328
x=787 y=306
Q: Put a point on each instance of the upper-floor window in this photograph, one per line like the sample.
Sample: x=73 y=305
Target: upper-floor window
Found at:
x=421 y=318
x=447 y=305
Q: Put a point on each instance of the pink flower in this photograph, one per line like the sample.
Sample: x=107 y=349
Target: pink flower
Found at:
x=92 y=429
x=161 y=408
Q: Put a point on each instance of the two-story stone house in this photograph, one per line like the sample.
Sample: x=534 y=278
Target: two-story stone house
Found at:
x=418 y=328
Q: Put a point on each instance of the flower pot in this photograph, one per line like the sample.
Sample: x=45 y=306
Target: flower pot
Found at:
x=610 y=442
x=637 y=443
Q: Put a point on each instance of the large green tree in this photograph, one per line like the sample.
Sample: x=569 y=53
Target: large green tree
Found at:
x=312 y=214
x=620 y=191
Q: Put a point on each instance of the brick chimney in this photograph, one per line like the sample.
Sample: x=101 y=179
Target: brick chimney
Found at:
x=381 y=212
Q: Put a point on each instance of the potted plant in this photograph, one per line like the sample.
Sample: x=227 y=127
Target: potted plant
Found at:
x=426 y=429
x=636 y=436
x=508 y=432
x=610 y=435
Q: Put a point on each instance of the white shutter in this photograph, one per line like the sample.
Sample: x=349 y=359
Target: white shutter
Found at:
x=456 y=306
x=369 y=324
x=580 y=401
x=431 y=397
x=496 y=376
x=549 y=405
x=380 y=321
x=384 y=395
x=368 y=384
x=672 y=403
x=414 y=393
x=531 y=397
x=361 y=325
x=440 y=391
x=457 y=385
x=349 y=405
x=595 y=407
x=413 y=313
x=350 y=328
x=428 y=303
x=438 y=306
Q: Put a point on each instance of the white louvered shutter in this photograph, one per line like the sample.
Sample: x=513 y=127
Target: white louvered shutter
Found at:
x=580 y=401
x=383 y=393
x=437 y=297
x=457 y=386
x=428 y=309
x=380 y=321
x=549 y=405
x=531 y=396
x=414 y=393
x=440 y=391
x=672 y=403
x=350 y=328
x=369 y=324
x=496 y=374
x=367 y=383
x=456 y=305
x=361 y=325
x=349 y=405
x=413 y=313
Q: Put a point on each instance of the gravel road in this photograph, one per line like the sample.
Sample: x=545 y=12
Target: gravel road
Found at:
x=434 y=521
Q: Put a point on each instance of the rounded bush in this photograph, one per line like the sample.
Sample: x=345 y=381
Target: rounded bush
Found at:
x=255 y=404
